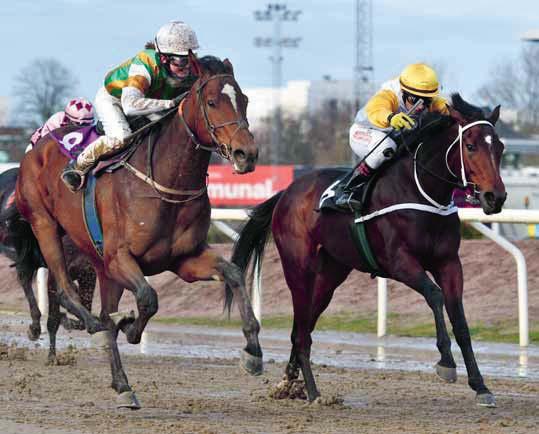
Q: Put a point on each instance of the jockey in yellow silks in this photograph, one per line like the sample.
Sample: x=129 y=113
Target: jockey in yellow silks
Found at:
x=387 y=111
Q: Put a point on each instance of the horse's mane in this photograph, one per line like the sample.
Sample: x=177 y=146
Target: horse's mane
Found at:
x=466 y=109
x=213 y=65
x=429 y=125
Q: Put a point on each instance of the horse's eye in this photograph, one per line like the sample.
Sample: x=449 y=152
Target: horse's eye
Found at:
x=471 y=147
x=211 y=103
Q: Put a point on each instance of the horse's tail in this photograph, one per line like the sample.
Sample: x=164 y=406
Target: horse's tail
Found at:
x=19 y=235
x=252 y=240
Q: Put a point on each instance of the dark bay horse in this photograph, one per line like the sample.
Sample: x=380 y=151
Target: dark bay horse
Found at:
x=19 y=245
x=317 y=251
x=155 y=216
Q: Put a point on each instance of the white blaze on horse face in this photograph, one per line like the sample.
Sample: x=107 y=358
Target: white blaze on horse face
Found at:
x=229 y=91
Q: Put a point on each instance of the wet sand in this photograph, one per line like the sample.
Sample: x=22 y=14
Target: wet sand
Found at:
x=191 y=394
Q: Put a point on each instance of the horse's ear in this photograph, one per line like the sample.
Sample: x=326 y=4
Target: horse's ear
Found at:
x=456 y=115
x=228 y=66
x=494 y=116
x=196 y=67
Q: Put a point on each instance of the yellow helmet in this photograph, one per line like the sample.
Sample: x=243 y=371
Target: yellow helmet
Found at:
x=419 y=79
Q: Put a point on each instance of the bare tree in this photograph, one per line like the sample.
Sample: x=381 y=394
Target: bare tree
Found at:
x=317 y=138
x=515 y=85
x=42 y=88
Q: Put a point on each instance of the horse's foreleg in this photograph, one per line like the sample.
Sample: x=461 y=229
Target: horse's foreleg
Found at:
x=449 y=276
x=415 y=277
x=46 y=231
x=209 y=266
x=111 y=292
x=126 y=272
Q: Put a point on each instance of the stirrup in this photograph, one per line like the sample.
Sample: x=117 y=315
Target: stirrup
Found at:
x=72 y=177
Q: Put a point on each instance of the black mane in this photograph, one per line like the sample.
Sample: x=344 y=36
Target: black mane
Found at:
x=430 y=124
x=213 y=65
x=466 y=109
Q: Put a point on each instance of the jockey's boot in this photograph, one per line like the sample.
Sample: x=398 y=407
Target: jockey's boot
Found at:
x=346 y=198
x=75 y=172
x=73 y=177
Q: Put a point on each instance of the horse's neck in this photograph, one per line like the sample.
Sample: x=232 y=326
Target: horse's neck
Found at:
x=431 y=156
x=176 y=162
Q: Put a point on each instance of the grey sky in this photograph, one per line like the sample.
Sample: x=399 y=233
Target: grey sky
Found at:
x=467 y=37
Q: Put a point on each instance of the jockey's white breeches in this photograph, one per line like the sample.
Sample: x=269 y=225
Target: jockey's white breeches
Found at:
x=364 y=138
x=109 y=111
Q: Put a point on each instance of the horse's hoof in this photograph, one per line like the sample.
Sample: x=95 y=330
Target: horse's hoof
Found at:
x=52 y=360
x=95 y=326
x=127 y=399
x=101 y=340
x=132 y=335
x=251 y=364
x=120 y=317
x=486 y=400
x=34 y=332
x=447 y=374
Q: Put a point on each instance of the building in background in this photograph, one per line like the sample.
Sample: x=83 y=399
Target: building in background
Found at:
x=299 y=97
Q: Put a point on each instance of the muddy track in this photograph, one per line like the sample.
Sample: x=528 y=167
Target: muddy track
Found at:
x=181 y=395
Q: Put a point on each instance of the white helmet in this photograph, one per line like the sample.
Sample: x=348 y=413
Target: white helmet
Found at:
x=176 y=38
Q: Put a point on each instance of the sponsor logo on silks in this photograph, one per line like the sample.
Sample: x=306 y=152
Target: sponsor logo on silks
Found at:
x=362 y=135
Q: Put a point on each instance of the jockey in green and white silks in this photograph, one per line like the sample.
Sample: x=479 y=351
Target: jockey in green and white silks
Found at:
x=148 y=83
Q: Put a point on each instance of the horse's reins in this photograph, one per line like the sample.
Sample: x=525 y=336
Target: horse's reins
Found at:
x=222 y=149
x=463 y=182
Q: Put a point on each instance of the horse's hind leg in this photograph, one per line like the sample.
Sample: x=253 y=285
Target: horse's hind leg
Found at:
x=46 y=231
x=81 y=270
x=34 y=329
x=86 y=278
x=209 y=266
x=53 y=320
x=449 y=276
x=330 y=274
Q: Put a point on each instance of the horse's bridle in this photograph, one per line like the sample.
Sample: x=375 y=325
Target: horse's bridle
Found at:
x=222 y=149
x=459 y=139
x=462 y=182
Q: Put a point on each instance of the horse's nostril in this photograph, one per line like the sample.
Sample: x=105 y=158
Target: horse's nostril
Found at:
x=489 y=197
x=239 y=155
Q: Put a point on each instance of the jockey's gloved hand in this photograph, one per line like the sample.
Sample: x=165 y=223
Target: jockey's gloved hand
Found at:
x=400 y=121
x=174 y=102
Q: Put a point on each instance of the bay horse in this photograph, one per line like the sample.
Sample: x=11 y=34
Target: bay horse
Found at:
x=317 y=250
x=19 y=245
x=155 y=216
